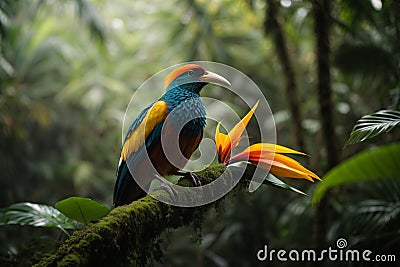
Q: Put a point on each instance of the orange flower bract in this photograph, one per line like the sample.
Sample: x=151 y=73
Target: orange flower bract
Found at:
x=264 y=155
x=226 y=142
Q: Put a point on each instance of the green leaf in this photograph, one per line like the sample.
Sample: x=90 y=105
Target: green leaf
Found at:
x=272 y=180
x=82 y=209
x=379 y=163
x=37 y=215
x=374 y=124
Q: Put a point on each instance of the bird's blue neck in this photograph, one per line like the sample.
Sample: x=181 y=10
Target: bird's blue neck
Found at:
x=186 y=86
x=187 y=109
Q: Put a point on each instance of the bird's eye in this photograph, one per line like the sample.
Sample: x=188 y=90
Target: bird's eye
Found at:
x=190 y=72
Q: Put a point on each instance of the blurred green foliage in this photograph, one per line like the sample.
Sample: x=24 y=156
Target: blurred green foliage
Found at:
x=68 y=69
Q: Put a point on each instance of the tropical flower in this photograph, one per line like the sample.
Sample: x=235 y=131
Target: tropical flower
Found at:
x=264 y=155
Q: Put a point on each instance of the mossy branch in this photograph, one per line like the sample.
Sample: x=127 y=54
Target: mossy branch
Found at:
x=127 y=234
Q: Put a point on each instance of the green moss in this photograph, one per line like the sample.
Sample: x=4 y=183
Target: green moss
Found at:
x=211 y=173
x=129 y=233
x=69 y=260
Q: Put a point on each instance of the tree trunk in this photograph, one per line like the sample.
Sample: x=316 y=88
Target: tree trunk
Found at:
x=273 y=25
x=321 y=12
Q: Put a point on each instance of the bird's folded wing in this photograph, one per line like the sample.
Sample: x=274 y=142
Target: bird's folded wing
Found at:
x=142 y=127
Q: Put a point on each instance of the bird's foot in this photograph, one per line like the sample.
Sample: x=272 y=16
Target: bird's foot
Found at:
x=192 y=177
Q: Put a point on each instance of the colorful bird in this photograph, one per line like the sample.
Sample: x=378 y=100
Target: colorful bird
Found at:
x=165 y=134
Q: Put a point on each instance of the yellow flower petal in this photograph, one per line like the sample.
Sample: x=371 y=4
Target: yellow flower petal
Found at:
x=295 y=165
x=237 y=131
x=289 y=172
x=221 y=141
x=225 y=143
x=272 y=148
x=280 y=169
x=264 y=150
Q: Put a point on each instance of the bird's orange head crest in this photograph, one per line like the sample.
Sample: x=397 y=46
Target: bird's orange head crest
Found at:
x=188 y=69
x=194 y=75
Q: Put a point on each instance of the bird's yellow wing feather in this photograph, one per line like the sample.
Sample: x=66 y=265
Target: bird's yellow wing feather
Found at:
x=157 y=114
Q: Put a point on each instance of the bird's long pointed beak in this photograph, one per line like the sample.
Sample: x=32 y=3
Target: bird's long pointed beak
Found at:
x=211 y=77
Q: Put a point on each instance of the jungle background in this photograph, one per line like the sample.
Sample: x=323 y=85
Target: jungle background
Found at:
x=68 y=69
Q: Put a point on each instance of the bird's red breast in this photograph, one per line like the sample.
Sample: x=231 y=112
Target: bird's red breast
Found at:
x=165 y=156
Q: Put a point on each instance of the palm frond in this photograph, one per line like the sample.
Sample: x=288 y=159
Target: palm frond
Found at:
x=373 y=125
x=38 y=215
x=373 y=222
x=373 y=215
